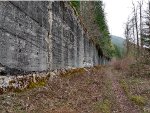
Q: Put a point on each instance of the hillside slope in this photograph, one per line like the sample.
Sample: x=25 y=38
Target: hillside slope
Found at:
x=119 y=42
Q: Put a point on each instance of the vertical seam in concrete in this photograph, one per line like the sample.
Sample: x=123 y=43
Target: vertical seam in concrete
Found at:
x=50 y=19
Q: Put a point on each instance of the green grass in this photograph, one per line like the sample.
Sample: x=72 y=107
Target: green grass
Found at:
x=104 y=106
x=136 y=99
x=139 y=100
x=125 y=87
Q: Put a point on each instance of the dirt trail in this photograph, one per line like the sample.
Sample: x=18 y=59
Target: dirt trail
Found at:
x=90 y=90
x=125 y=106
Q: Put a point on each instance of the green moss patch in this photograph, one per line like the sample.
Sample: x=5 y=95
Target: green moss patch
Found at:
x=139 y=100
x=73 y=72
x=36 y=84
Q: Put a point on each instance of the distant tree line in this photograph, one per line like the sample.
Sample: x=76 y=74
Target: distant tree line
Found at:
x=137 y=30
x=137 y=33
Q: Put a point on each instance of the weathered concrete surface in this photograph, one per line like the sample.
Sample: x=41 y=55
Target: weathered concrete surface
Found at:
x=39 y=36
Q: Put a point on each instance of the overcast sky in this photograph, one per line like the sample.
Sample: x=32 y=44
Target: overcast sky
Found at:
x=117 y=12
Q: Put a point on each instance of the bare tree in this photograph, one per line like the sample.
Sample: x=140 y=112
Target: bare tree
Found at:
x=141 y=37
x=127 y=37
x=136 y=26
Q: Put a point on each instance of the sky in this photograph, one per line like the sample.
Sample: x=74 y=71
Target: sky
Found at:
x=117 y=13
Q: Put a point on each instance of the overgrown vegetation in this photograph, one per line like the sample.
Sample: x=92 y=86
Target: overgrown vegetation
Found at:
x=137 y=40
x=131 y=90
x=92 y=15
x=135 y=86
x=104 y=39
x=76 y=5
x=117 y=52
x=78 y=90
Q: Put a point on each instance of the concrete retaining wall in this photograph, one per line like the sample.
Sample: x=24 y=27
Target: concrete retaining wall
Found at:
x=39 y=36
